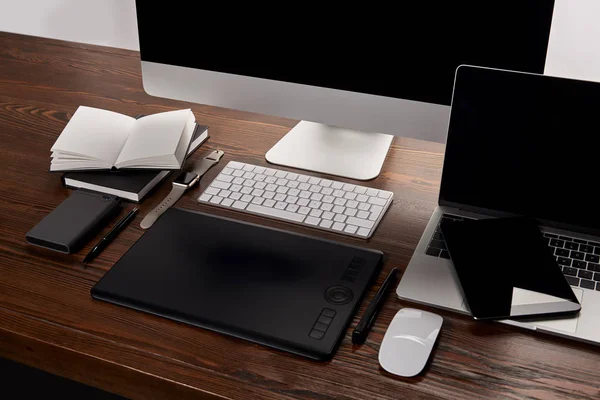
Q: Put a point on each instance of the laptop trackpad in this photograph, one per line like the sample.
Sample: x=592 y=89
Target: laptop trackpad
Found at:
x=568 y=324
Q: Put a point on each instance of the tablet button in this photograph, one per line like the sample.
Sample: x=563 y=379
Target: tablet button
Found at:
x=338 y=295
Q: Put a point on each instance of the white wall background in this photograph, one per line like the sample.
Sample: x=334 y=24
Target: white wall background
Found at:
x=573 y=50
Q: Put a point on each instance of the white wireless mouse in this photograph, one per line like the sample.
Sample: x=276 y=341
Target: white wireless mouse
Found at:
x=408 y=341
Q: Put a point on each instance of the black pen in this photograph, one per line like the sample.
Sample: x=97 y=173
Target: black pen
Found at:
x=110 y=235
x=364 y=326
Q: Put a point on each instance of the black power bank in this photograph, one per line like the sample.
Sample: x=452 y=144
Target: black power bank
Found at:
x=67 y=228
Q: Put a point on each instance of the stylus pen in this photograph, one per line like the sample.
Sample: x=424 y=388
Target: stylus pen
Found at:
x=364 y=326
x=110 y=235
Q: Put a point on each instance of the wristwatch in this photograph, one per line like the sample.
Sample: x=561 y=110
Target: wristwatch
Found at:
x=184 y=181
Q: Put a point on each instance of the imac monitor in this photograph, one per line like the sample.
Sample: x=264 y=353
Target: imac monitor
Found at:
x=354 y=76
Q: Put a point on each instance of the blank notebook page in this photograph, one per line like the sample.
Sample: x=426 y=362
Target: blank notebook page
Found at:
x=154 y=136
x=96 y=134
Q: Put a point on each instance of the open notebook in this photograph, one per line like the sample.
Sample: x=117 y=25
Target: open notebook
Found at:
x=96 y=139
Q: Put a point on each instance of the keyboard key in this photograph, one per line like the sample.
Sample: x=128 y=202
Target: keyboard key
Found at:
x=338 y=226
x=269 y=203
x=579 y=264
x=315 y=188
x=592 y=258
x=268 y=195
x=312 y=220
x=363 y=214
x=338 y=209
x=352 y=204
x=314 y=204
x=586 y=248
x=572 y=280
x=550 y=235
x=377 y=201
x=315 y=213
x=292 y=184
x=259 y=170
x=433 y=252
x=593 y=267
x=274 y=212
x=316 y=196
x=445 y=254
x=580 y=241
x=279 y=197
x=257 y=192
x=438 y=236
x=303 y=202
x=282 y=189
x=328 y=215
x=577 y=255
x=546 y=240
x=271 y=180
x=240 y=204
x=227 y=202
x=384 y=194
x=339 y=201
x=350 y=196
x=325 y=183
x=363 y=190
x=571 y=246
x=220 y=184
x=561 y=252
x=564 y=261
x=212 y=191
x=248 y=175
x=565 y=238
x=364 y=206
x=247 y=198
x=304 y=210
x=339 y=218
x=351 y=229
x=237 y=173
x=304 y=194
x=258 y=200
x=292 y=207
x=363 y=232
x=328 y=199
x=337 y=185
x=338 y=193
x=227 y=170
x=280 y=174
x=326 y=206
x=585 y=274
x=596 y=250
x=438 y=244
x=235 y=195
x=291 y=199
x=293 y=192
x=557 y=243
x=314 y=180
x=204 y=197
x=326 y=224
x=372 y=192
x=224 y=178
x=594 y=243
x=363 y=223
x=375 y=211
x=587 y=284
x=570 y=271
x=246 y=190
x=326 y=191
x=350 y=212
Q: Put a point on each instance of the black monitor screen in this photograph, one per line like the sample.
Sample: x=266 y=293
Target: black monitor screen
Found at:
x=524 y=144
x=407 y=49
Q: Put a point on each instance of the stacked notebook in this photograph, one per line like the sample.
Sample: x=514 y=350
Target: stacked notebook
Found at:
x=124 y=156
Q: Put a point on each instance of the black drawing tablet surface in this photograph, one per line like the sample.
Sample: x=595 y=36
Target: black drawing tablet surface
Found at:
x=288 y=291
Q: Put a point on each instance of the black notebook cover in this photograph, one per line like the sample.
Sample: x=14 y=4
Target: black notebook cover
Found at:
x=132 y=185
x=288 y=291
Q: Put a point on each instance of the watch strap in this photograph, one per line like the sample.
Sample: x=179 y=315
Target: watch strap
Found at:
x=178 y=190
x=174 y=195
x=207 y=162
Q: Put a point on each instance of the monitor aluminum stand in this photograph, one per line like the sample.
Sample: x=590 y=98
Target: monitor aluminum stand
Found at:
x=330 y=150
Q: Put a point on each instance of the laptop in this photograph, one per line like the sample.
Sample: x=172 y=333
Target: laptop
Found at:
x=519 y=144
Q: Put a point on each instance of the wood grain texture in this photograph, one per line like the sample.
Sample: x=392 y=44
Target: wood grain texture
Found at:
x=48 y=319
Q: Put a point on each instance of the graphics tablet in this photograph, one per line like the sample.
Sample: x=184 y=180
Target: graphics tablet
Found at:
x=288 y=291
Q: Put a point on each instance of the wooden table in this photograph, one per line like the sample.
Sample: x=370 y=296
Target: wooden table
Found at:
x=48 y=319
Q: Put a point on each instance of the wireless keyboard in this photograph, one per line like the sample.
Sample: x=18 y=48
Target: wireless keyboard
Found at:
x=302 y=199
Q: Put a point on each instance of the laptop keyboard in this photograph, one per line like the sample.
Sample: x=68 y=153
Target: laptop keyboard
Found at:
x=579 y=259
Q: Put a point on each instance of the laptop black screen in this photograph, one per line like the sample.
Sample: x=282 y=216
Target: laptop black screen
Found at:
x=524 y=144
